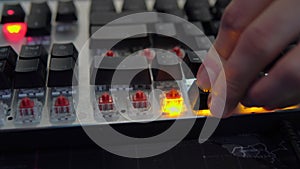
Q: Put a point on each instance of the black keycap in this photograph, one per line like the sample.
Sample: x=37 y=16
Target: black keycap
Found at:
x=111 y=35
x=30 y=74
x=203 y=42
x=166 y=67
x=201 y=14
x=222 y=3
x=211 y=28
x=134 y=5
x=203 y=97
x=64 y=51
x=198 y=98
x=8 y=59
x=165 y=36
x=166 y=5
x=193 y=62
x=134 y=71
x=8 y=53
x=62 y=63
x=102 y=6
x=66 y=12
x=12 y=13
x=196 y=4
x=37 y=25
x=219 y=8
x=41 y=9
x=61 y=72
x=39 y=20
x=34 y=52
x=102 y=18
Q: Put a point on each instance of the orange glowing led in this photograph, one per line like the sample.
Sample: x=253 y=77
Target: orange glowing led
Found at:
x=257 y=110
x=205 y=112
x=14 y=32
x=172 y=104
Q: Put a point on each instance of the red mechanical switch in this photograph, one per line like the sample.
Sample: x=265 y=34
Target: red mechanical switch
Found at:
x=105 y=102
x=178 y=51
x=173 y=94
x=172 y=104
x=26 y=107
x=149 y=54
x=62 y=105
x=139 y=100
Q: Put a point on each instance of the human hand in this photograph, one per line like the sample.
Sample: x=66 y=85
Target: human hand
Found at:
x=252 y=35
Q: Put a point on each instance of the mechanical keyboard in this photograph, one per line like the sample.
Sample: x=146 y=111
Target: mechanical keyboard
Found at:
x=67 y=67
x=57 y=70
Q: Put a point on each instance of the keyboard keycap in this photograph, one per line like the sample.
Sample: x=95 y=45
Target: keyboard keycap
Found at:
x=133 y=70
x=34 y=52
x=219 y=8
x=196 y=4
x=30 y=74
x=193 y=62
x=39 y=20
x=197 y=97
x=66 y=12
x=64 y=51
x=201 y=14
x=8 y=59
x=165 y=5
x=134 y=5
x=203 y=43
x=61 y=72
x=41 y=9
x=102 y=6
x=37 y=26
x=62 y=63
x=166 y=67
x=12 y=13
x=111 y=35
x=8 y=53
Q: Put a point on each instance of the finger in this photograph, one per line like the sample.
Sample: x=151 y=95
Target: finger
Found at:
x=237 y=16
x=281 y=87
x=259 y=44
x=209 y=70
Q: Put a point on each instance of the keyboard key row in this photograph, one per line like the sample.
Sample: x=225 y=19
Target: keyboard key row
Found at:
x=29 y=69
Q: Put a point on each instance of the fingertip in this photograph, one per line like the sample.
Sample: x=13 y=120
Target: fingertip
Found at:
x=203 y=78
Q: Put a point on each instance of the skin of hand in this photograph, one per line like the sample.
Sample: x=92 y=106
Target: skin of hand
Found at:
x=251 y=36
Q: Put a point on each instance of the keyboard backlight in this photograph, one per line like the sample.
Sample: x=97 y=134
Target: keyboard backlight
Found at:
x=14 y=32
x=173 y=107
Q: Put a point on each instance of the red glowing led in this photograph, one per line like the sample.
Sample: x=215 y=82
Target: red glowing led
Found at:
x=178 y=51
x=14 y=32
x=110 y=53
x=10 y=12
